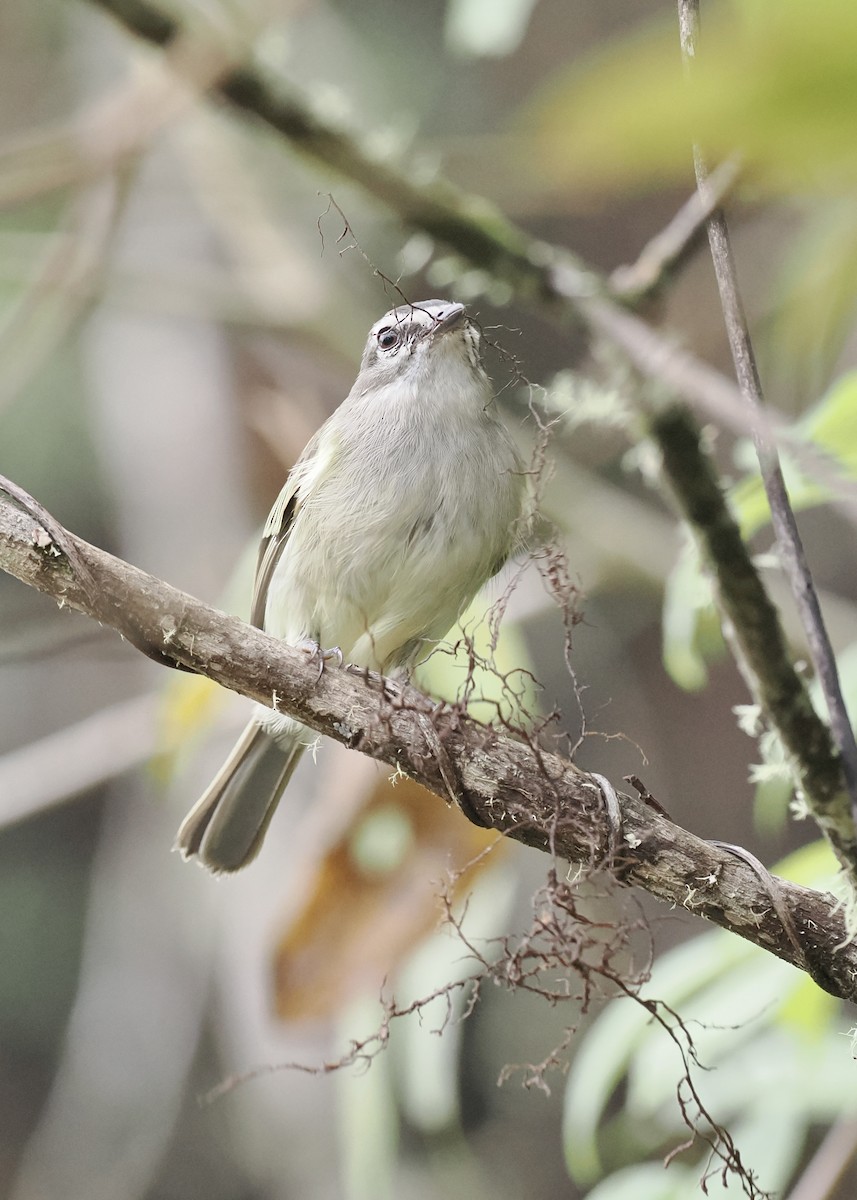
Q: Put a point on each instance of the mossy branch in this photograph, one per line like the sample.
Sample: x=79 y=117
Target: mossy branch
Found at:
x=756 y=633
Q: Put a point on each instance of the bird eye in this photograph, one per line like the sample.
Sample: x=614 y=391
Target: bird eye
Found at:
x=388 y=338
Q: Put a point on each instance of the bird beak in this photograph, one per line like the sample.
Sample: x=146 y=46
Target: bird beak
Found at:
x=451 y=318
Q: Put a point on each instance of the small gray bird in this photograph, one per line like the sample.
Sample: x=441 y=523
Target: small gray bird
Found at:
x=403 y=504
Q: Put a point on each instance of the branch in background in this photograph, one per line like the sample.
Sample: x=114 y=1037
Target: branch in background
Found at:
x=821 y=1178
x=756 y=632
x=661 y=257
x=788 y=538
x=62 y=287
x=77 y=759
x=513 y=786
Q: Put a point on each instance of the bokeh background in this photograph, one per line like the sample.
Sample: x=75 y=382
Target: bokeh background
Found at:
x=181 y=307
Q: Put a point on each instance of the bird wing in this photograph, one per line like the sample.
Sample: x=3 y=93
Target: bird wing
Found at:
x=278 y=528
x=276 y=535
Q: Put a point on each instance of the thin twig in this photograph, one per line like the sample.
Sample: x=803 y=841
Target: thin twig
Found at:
x=667 y=250
x=785 y=527
x=824 y=1172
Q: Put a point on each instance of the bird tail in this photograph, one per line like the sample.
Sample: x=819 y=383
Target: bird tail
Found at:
x=226 y=826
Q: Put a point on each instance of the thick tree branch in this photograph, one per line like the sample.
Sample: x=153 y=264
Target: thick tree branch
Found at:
x=532 y=795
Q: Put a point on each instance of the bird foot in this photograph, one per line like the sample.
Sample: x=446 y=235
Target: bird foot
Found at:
x=318 y=655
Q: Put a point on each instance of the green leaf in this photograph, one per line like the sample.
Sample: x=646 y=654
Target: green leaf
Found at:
x=832 y=423
x=368 y=1122
x=725 y=1013
x=758 y=1025
x=770 y=1143
x=773 y=80
x=847 y=664
x=653 y=1181
x=691 y=626
x=811 y=866
x=616 y=1037
x=831 y=426
x=812 y=300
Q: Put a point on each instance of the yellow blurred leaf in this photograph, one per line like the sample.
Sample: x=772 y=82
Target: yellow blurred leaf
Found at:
x=808 y=1011
x=191 y=702
x=189 y=705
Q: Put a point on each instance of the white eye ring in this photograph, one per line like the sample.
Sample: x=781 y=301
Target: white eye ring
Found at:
x=388 y=338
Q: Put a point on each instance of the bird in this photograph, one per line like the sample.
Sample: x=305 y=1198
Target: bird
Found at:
x=401 y=506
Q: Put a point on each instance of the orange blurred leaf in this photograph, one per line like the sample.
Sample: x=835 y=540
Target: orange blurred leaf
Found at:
x=376 y=893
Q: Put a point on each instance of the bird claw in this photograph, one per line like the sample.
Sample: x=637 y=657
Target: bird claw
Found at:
x=322 y=657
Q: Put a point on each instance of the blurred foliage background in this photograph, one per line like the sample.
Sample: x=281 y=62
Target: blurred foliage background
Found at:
x=178 y=313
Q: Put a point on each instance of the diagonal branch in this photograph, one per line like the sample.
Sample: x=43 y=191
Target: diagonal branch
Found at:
x=789 y=542
x=513 y=785
x=663 y=254
x=755 y=632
